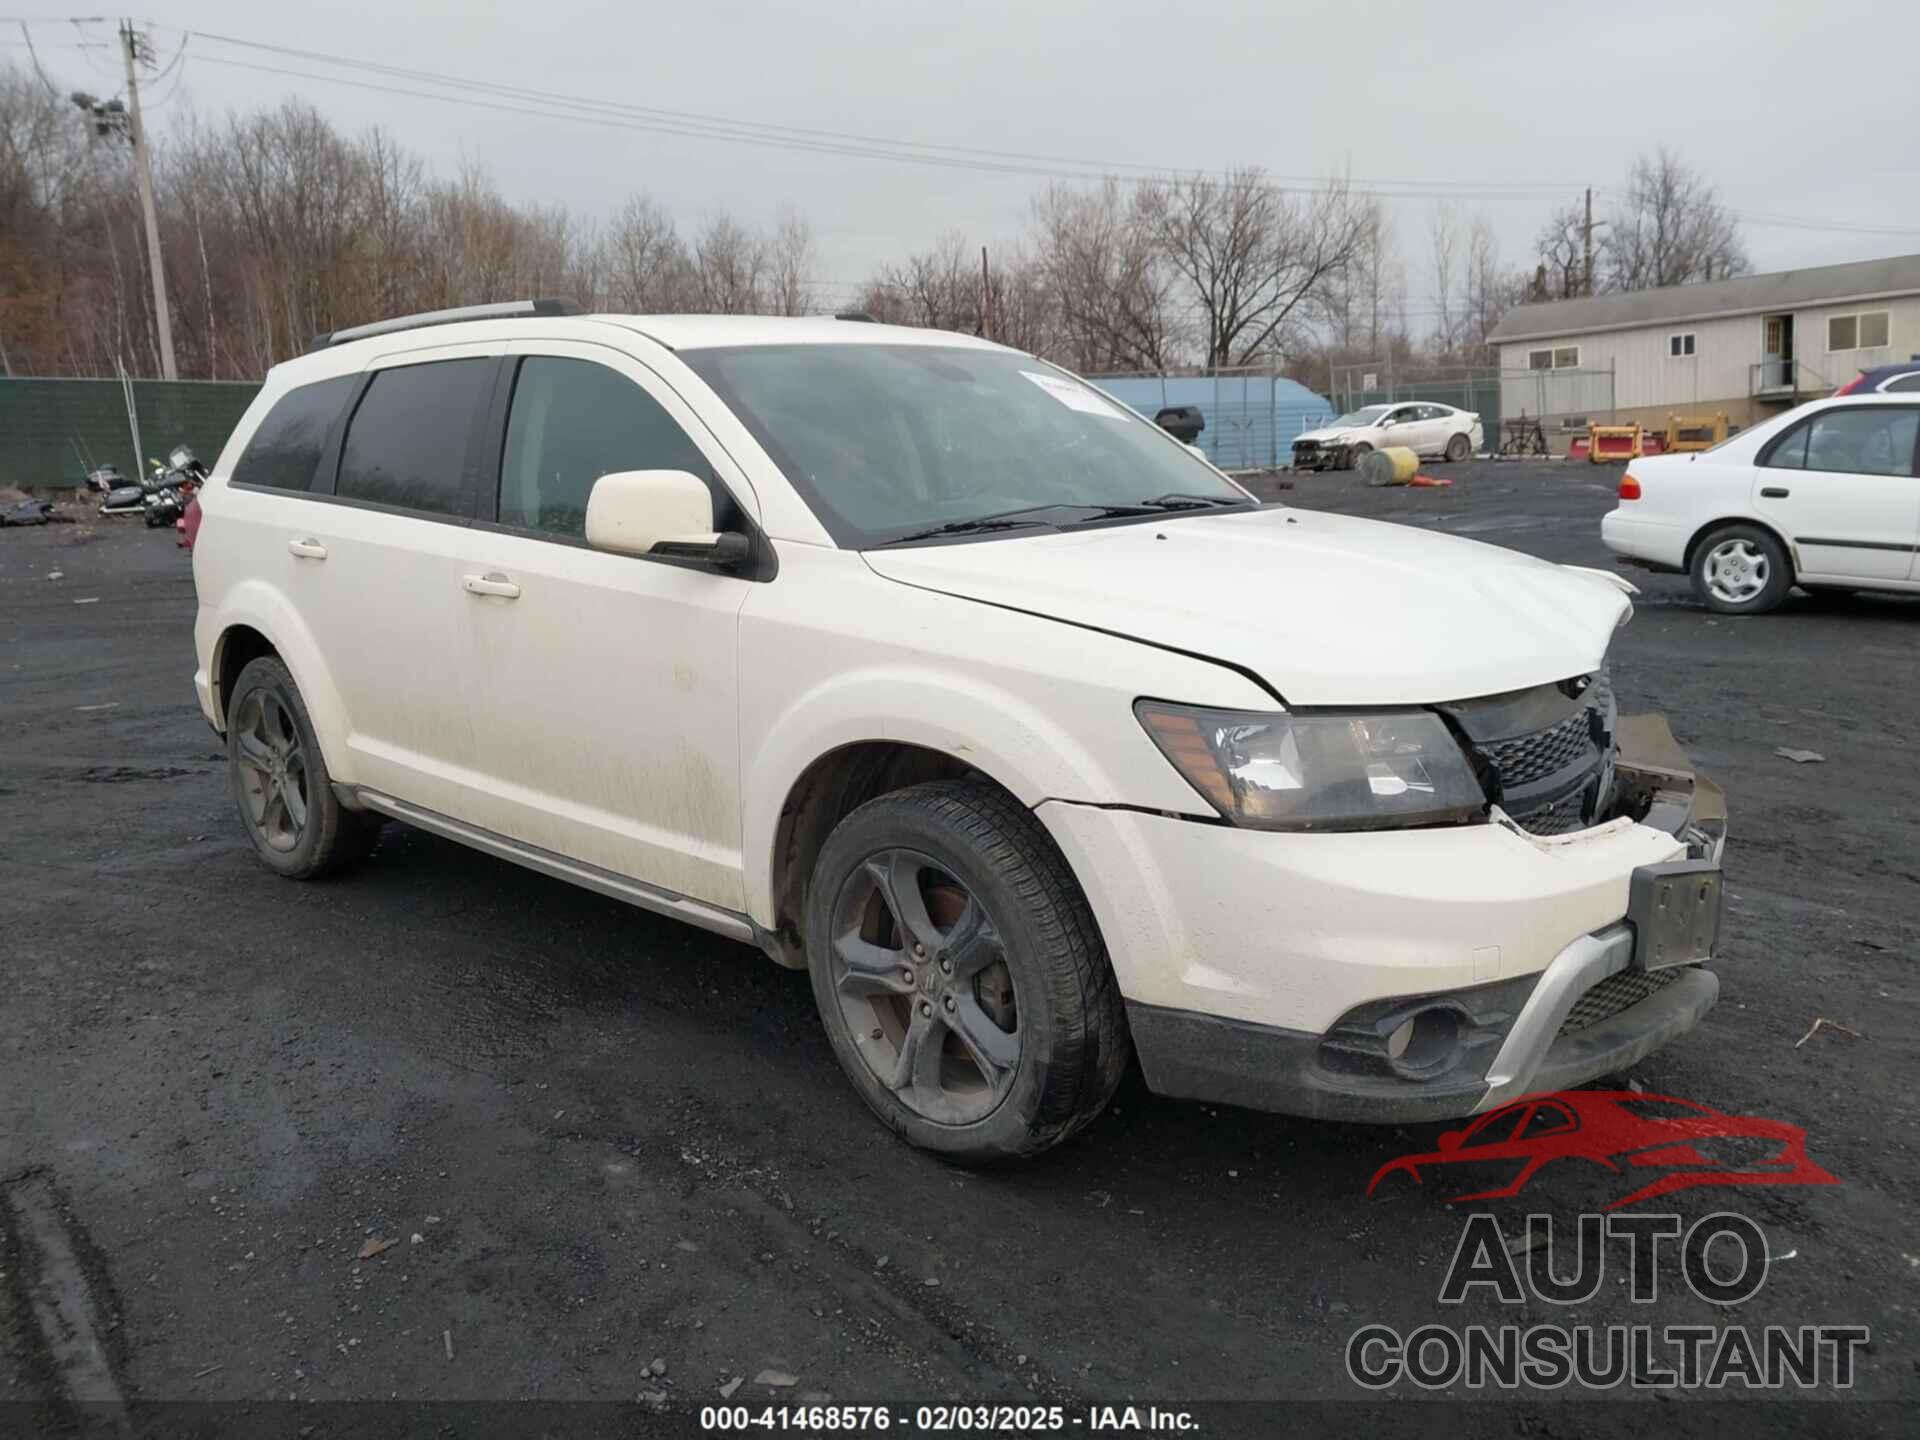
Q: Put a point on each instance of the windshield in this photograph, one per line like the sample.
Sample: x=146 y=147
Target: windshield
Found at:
x=1368 y=416
x=888 y=441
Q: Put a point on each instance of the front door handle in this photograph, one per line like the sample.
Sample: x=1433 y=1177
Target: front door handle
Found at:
x=1774 y=492
x=492 y=583
x=308 y=549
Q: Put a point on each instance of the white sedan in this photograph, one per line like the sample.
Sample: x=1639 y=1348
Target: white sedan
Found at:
x=1430 y=431
x=1823 y=497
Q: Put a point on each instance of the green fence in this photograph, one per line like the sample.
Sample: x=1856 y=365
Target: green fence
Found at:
x=50 y=429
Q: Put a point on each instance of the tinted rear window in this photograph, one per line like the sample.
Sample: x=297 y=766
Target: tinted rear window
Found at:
x=285 y=451
x=406 y=445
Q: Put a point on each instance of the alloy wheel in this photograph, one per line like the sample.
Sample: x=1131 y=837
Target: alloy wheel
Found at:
x=920 y=973
x=273 y=769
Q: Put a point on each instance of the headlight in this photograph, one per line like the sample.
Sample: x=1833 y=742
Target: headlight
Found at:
x=1319 y=772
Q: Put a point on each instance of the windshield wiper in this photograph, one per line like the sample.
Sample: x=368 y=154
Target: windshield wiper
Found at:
x=966 y=527
x=1179 y=501
x=1013 y=519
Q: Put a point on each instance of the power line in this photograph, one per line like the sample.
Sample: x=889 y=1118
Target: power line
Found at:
x=804 y=138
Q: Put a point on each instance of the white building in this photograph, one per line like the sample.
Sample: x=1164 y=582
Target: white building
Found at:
x=1743 y=347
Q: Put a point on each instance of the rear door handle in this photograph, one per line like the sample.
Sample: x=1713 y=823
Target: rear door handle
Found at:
x=1774 y=492
x=308 y=549
x=492 y=583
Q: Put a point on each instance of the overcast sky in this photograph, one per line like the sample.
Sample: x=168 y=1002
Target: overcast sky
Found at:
x=1799 y=110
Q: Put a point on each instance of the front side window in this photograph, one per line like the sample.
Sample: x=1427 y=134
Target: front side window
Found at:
x=887 y=441
x=406 y=445
x=285 y=451
x=573 y=421
x=1361 y=419
x=1904 y=382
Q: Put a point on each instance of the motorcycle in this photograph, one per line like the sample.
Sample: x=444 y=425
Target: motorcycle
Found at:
x=171 y=486
x=119 y=496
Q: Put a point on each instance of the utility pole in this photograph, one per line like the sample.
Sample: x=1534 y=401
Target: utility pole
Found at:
x=1589 y=236
x=986 y=298
x=143 y=169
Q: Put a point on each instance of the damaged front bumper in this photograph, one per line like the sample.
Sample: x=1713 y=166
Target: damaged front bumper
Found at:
x=1602 y=1002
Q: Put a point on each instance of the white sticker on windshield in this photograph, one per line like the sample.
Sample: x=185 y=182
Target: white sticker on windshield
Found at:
x=1074 y=397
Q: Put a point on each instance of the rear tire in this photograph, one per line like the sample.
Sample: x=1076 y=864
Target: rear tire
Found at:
x=1458 y=448
x=280 y=781
x=960 y=975
x=1741 y=570
x=1357 y=453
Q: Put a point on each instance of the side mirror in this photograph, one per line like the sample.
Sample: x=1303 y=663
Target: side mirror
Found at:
x=1388 y=422
x=1198 y=453
x=659 y=512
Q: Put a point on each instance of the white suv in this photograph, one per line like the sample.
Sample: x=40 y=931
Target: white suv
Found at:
x=923 y=666
x=1824 y=496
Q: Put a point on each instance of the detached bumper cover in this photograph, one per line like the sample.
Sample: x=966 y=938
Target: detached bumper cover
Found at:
x=1588 y=1013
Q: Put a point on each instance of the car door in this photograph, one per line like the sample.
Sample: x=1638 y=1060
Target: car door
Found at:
x=1436 y=427
x=374 y=569
x=1841 y=486
x=1399 y=426
x=607 y=725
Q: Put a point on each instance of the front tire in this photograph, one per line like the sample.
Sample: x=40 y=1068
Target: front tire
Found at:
x=280 y=782
x=1741 y=570
x=1357 y=453
x=1458 y=448
x=960 y=975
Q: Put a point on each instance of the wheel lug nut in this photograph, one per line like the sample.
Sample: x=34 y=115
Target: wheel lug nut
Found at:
x=919 y=949
x=946 y=966
x=875 y=1032
x=925 y=1008
x=949 y=1002
x=906 y=975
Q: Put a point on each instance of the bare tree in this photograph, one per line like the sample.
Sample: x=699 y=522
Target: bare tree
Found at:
x=1114 y=288
x=1670 y=229
x=1365 y=306
x=1448 y=320
x=1560 y=248
x=790 y=263
x=730 y=267
x=1256 y=260
x=645 y=265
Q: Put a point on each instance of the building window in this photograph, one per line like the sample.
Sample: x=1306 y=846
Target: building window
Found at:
x=1680 y=345
x=1565 y=357
x=1539 y=360
x=1869 y=330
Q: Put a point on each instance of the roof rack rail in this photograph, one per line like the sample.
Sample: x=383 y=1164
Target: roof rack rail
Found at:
x=502 y=310
x=859 y=315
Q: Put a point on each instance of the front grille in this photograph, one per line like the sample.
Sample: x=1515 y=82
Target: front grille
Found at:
x=1554 y=778
x=1614 y=994
x=1527 y=758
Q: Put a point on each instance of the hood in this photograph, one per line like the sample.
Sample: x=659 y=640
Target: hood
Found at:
x=1328 y=432
x=1326 y=609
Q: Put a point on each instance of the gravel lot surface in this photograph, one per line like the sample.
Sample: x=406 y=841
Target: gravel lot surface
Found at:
x=600 y=1139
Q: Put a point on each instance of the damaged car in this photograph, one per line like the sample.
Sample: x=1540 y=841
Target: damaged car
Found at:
x=921 y=666
x=1433 y=432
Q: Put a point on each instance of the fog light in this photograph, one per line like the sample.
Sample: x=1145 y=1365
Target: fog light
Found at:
x=1429 y=1041
x=1398 y=1041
